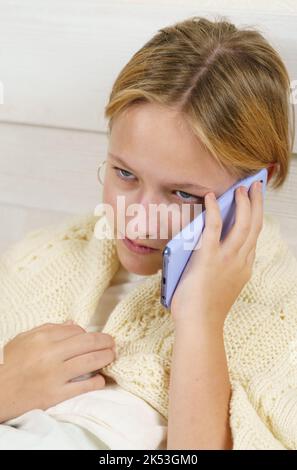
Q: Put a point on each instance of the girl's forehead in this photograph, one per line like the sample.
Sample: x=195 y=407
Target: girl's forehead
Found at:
x=156 y=142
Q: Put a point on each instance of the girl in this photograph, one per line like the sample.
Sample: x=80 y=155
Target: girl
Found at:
x=198 y=107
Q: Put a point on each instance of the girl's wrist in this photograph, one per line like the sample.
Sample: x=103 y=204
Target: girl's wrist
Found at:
x=198 y=321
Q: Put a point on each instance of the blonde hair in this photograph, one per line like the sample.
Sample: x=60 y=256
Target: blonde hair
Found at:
x=230 y=85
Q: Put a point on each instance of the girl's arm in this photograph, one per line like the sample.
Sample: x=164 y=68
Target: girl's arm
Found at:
x=199 y=391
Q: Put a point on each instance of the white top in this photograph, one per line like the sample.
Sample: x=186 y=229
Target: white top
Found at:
x=119 y=418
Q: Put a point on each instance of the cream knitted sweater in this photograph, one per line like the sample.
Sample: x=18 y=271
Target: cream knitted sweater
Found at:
x=61 y=271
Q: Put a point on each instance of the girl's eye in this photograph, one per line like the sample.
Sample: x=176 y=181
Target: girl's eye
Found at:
x=190 y=197
x=124 y=174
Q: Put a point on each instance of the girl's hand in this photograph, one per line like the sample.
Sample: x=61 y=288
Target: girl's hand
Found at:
x=40 y=364
x=217 y=271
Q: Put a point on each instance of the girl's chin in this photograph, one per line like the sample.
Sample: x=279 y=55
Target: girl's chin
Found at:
x=138 y=264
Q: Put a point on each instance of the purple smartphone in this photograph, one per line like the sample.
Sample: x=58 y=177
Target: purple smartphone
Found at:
x=178 y=250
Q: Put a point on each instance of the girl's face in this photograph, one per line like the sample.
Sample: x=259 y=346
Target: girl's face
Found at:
x=154 y=158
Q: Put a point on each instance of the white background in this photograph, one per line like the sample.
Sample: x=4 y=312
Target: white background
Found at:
x=58 y=60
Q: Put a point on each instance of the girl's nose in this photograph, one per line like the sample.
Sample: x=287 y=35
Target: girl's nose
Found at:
x=147 y=224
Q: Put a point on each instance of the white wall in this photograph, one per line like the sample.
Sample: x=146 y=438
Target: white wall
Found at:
x=58 y=60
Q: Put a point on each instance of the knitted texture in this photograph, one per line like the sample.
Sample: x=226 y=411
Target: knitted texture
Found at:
x=61 y=271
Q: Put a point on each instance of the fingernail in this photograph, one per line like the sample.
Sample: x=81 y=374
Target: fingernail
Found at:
x=259 y=185
x=243 y=190
x=211 y=196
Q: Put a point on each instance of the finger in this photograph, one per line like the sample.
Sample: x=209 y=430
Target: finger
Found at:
x=86 y=363
x=251 y=258
x=56 y=330
x=84 y=343
x=256 y=198
x=241 y=227
x=72 y=389
x=213 y=222
x=42 y=327
x=64 y=331
x=51 y=330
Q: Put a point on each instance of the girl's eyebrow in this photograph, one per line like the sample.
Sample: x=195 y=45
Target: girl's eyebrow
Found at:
x=179 y=184
x=120 y=160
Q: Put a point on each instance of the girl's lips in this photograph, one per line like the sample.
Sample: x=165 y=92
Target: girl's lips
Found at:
x=138 y=248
